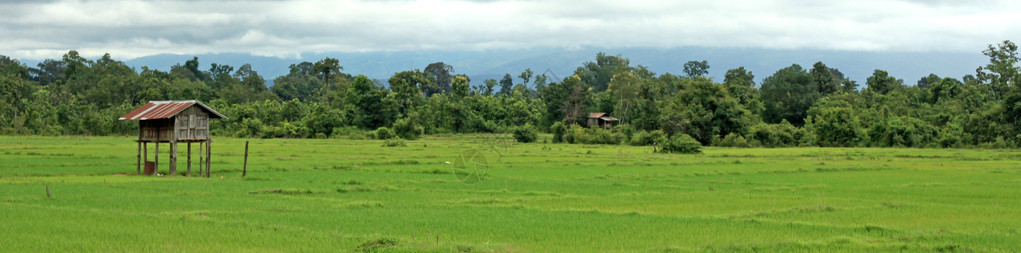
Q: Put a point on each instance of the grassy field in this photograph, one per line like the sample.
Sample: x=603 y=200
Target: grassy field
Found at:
x=355 y=195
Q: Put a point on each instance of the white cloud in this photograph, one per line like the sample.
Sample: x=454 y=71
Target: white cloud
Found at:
x=130 y=29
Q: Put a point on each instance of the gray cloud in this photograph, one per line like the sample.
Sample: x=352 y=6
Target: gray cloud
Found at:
x=129 y=29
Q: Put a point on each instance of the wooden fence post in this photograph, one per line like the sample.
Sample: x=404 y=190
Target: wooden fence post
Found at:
x=244 y=168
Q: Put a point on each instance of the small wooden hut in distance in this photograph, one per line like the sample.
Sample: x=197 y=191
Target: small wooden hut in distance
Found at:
x=601 y=119
x=173 y=122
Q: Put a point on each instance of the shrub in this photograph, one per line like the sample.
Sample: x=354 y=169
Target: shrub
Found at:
x=777 y=135
x=905 y=131
x=249 y=127
x=394 y=142
x=626 y=130
x=645 y=138
x=953 y=136
x=603 y=136
x=348 y=132
x=573 y=133
x=998 y=143
x=526 y=134
x=273 y=132
x=559 y=130
x=383 y=133
x=734 y=140
x=681 y=143
x=408 y=129
x=838 y=127
x=581 y=135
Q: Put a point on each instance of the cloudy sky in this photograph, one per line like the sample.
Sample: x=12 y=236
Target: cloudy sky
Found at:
x=129 y=29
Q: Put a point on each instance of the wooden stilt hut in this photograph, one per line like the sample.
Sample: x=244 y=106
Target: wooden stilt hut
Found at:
x=173 y=122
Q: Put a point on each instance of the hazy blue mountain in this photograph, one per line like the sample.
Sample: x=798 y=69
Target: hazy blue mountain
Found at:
x=481 y=65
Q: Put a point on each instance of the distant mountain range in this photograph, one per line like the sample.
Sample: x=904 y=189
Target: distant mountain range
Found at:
x=481 y=65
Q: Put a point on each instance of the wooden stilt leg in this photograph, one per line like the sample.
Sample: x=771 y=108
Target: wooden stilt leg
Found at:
x=138 y=156
x=189 y=159
x=209 y=157
x=173 y=158
x=202 y=156
x=156 y=159
x=145 y=152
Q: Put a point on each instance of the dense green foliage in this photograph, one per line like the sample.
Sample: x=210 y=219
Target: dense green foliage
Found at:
x=526 y=134
x=310 y=195
x=681 y=143
x=793 y=106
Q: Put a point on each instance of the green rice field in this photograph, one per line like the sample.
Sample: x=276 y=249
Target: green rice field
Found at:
x=438 y=195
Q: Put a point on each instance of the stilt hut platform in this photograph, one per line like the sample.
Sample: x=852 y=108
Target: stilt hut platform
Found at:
x=173 y=122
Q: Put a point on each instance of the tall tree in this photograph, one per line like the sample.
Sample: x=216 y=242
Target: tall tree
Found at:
x=48 y=71
x=1001 y=73
x=788 y=94
x=881 y=82
x=575 y=102
x=740 y=82
x=490 y=85
x=406 y=92
x=598 y=74
x=366 y=104
x=696 y=68
x=827 y=79
x=506 y=84
x=441 y=75
x=624 y=89
x=325 y=68
x=927 y=81
x=459 y=86
x=13 y=66
x=217 y=70
x=526 y=76
x=193 y=67
x=849 y=85
x=704 y=110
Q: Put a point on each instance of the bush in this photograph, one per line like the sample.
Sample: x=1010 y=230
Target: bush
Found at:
x=581 y=135
x=644 y=138
x=838 y=127
x=573 y=131
x=734 y=140
x=383 y=133
x=526 y=134
x=626 y=130
x=348 y=132
x=905 y=131
x=394 y=142
x=559 y=130
x=777 y=135
x=953 y=136
x=408 y=129
x=285 y=130
x=681 y=143
x=603 y=136
x=249 y=127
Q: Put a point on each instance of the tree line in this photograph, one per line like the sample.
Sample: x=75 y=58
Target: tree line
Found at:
x=795 y=106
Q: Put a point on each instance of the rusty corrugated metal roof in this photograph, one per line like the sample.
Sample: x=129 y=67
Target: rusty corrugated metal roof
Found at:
x=596 y=115
x=166 y=109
